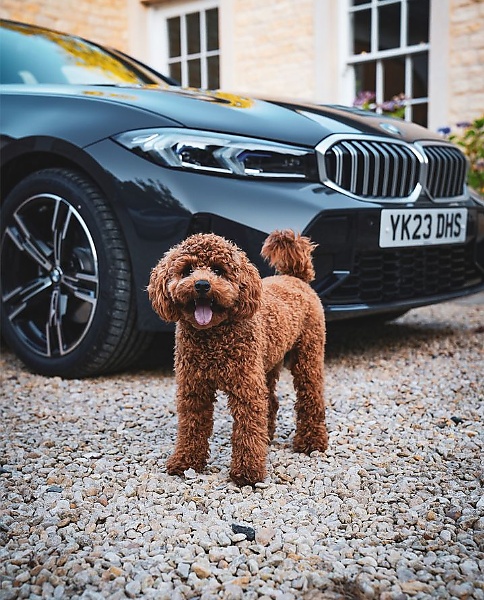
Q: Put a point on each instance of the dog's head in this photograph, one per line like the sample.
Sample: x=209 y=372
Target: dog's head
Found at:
x=205 y=280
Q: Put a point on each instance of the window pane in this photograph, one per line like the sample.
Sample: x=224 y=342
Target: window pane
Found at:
x=365 y=76
x=418 y=21
x=194 y=73
x=174 y=37
x=175 y=71
x=389 y=26
x=357 y=2
x=419 y=114
x=393 y=77
x=193 y=33
x=361 y=31
x=213 y=72
x=212 y=29
x=420 y=75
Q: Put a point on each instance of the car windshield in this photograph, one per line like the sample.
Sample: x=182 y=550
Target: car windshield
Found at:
x=32 y=56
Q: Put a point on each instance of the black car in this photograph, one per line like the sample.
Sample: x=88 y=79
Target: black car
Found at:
x=105 y=164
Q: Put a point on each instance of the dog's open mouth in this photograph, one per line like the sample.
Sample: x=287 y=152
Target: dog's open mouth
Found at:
x=203 y=311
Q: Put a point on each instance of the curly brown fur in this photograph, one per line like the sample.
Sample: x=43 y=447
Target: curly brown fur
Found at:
x=233 y=331
x=290 y=253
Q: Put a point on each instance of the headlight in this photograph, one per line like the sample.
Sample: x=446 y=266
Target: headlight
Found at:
x=203 y=151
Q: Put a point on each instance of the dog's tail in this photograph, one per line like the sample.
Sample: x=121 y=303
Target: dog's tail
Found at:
x=290 y=254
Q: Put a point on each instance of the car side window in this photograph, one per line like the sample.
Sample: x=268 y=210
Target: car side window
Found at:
x=52 y=58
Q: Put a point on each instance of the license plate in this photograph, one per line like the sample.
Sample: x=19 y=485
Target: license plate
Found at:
x=415 y=227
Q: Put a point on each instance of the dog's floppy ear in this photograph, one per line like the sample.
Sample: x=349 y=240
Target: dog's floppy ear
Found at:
x=250 y=290
x=158 y=290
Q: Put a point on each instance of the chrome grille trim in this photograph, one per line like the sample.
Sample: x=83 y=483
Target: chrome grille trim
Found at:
x=446 y=171
x=371 y=168
x=381 y=169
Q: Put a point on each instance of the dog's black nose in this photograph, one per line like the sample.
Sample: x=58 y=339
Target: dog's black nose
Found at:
x=202 y=286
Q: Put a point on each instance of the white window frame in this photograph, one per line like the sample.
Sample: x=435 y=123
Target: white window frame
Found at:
x=159 y=43
x=377 y=56
x=341 y=87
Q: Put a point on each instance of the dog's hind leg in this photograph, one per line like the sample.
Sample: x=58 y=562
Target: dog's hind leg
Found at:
x=273 y=402
x=307 y=368
x=195 y=425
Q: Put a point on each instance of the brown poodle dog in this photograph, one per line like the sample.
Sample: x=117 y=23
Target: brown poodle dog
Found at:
x=233 y=331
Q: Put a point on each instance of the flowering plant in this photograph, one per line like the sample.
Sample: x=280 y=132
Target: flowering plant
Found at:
x=471 y=140
x=394 y=107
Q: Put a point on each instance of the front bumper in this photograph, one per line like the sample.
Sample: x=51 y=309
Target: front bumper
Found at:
x=159 y=207
x=356 y=277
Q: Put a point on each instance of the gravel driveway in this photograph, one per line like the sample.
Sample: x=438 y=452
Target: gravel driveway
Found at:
x=393 y=510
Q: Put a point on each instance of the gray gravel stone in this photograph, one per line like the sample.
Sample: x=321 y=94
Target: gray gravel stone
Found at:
x=393 y=511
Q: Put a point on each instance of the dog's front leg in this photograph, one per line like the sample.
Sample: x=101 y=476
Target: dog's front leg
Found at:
x=195 y=425
x=249 y=435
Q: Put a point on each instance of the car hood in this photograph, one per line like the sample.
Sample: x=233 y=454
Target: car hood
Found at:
x=292 y=122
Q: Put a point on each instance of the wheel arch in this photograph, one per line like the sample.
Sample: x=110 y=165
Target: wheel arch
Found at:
x=23 y=157
x=28 y=155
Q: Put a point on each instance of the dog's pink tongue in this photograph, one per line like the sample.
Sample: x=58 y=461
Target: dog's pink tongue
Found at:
x=203 y=312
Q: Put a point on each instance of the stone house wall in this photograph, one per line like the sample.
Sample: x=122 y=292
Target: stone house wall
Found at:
x=274 y=50
x=466 y=61
x=105 y=22
x=273 y=45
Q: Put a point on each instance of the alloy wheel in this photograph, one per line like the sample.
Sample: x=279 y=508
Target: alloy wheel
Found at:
x=50 y=275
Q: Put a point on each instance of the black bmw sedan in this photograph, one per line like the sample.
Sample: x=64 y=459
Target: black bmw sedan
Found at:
x=106 y=164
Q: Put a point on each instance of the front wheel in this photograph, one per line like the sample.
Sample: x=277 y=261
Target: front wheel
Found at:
x=66 y=286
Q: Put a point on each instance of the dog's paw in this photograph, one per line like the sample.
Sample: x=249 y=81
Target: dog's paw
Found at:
x=247 y=476
x=307 y=444
x=177 y=465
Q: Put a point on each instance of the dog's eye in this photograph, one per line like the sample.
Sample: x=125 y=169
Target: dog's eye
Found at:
x=187 y=271
x=218 y=270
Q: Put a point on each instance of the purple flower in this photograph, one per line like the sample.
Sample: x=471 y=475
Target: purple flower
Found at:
x=464 y=124
x=364 y=98
x=388 y=106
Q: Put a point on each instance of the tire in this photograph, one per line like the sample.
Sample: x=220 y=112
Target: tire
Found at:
x=68 y=306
